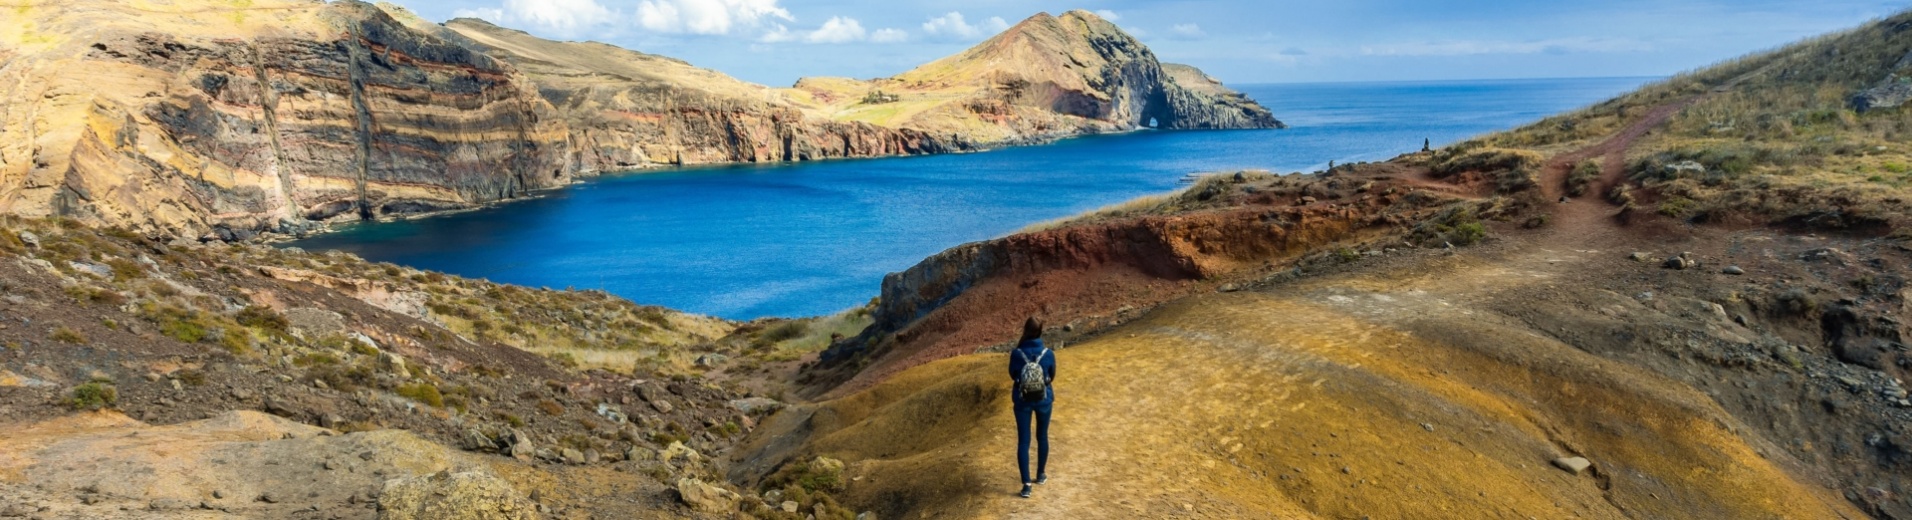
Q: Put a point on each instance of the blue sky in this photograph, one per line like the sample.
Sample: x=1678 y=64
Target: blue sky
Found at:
x=1240 y=41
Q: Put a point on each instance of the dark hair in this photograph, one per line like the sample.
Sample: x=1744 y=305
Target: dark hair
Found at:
x=1031 y=329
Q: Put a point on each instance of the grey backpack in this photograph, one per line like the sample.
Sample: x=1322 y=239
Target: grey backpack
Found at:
x=1033 y=385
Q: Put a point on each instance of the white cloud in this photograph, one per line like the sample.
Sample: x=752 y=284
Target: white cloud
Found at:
x=1469 y=48
x=952 y=26
x=564 y=16
x=1108 y=15
x=889 y=36
x=706 y=16
x=838 y=29
x=1187 y=31
x=491 y=14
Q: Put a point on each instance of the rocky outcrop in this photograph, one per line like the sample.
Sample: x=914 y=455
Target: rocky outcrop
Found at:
x=1201 y=101
x=629 y=109
x=198 y=117
x=1890 y=92
x=182 y=119
x=470 y=495
x=976 y=295
x=1054 y=76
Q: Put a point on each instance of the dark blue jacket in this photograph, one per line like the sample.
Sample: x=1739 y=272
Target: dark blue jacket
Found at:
x=1022 y=354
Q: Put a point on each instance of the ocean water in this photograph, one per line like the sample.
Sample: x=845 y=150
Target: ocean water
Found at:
x=807 y=239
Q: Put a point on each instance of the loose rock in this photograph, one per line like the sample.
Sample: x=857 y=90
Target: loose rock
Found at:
x=1573 y=465
x=453 y=496
x=754 y=405
x=705 y=497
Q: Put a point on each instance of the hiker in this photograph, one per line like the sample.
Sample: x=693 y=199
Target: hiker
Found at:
x=1032 y=367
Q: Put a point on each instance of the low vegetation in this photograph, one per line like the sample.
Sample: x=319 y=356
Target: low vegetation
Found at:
x=1774 y=136
x=94 y=395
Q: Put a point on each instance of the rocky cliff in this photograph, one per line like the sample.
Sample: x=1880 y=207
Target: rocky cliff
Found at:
x=190 y=117
x=631 y=110
x=1044 y=78
x=185 y=118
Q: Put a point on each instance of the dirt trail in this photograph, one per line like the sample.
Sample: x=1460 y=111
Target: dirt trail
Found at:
x=1385 y=393
x=1590 y=215
x=1391 y=396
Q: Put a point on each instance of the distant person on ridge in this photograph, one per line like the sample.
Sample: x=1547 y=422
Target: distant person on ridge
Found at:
x=1033 y=368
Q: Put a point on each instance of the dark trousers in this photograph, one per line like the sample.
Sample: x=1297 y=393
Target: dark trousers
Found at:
x=1041 y=416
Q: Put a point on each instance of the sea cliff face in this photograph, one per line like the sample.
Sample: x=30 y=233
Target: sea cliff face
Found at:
x=208 y=119
x=627 y=109
x=1045 y=78
x=264 y=117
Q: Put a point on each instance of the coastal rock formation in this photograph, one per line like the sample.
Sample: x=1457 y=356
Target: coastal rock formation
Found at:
x=628 y=109
x=1044 y=78
x=183 y=117
x=189 y=117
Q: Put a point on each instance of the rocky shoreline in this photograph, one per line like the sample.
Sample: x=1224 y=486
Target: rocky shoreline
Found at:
x=227 y=121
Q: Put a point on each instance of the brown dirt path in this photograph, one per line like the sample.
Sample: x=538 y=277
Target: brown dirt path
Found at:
x=1345 y=397
x=1388 y=392
x=1591 y=215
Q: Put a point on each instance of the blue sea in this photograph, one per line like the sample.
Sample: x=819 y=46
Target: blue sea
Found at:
x=744 y=242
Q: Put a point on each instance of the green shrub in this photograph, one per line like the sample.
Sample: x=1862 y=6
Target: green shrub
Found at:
x=1582 y=177
x=1468 y=234
x=236 y=341
x=94 y=395
x=65 y=334
x=263 y=318
x=181 y=324
x=1452 y=161
x=818 y=475
x=422 y=392
x=345 y=378
x=1676 y=207
x=784 y=331
x=125 y=270
x=314 y=359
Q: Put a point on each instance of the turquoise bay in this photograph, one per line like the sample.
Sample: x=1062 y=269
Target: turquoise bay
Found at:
x=805 y=239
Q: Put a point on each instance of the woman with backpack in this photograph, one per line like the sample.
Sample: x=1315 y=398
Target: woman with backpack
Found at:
x=1033 y=368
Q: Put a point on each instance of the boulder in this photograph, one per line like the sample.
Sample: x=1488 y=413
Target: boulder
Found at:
x=1733 y=270
x=706 y=498
x=711 y=360
x=92 y=269
x=755 y=405
x=453 y=496
x=1573 y=465
x=315 y=322
x=678 y=451
x=31 y=240
x=1895 y=90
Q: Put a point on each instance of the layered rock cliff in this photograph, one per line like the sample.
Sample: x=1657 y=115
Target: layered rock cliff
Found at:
x=185 y=118
x=1047 y=77
x=190 y=117
x=630 y=110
